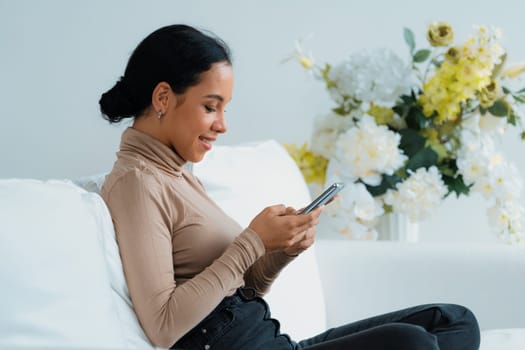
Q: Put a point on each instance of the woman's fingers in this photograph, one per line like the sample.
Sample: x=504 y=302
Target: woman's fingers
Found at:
x=280 y=227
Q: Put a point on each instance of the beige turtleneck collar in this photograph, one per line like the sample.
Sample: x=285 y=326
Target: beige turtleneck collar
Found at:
x=135 y=142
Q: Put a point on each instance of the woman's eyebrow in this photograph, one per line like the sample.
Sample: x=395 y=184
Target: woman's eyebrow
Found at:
x=217 y=97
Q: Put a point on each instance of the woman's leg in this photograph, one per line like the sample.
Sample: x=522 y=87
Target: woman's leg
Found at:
x=432 y=326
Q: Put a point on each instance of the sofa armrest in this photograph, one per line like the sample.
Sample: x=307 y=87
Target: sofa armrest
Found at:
x=362 y=279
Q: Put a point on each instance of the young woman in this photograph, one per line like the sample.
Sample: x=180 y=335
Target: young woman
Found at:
x=195 y=276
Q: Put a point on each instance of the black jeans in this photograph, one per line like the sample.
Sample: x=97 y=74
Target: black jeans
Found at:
x=242 y=322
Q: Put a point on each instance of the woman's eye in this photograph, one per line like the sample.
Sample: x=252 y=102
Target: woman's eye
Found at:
x=209 y=109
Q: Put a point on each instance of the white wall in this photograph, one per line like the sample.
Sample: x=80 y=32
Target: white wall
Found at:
x=58 y=56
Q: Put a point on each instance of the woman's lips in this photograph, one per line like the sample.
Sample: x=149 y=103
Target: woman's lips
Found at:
x=206 y=142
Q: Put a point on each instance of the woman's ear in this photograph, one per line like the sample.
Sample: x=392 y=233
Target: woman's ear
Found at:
x=160 y=97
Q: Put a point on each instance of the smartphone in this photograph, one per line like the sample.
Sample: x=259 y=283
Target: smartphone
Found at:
x=324 y=197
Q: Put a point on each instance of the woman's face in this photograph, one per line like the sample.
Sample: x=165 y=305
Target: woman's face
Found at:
x=195 y=121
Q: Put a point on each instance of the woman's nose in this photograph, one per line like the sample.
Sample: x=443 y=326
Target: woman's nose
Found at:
x=219 y=125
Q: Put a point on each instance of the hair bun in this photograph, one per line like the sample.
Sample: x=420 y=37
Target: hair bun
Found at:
x=116 y=104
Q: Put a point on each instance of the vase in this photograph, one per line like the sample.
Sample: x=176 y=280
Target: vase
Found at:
x=397 y=227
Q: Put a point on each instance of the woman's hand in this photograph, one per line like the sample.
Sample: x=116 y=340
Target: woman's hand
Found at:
x=280 y=228
x=305 y=243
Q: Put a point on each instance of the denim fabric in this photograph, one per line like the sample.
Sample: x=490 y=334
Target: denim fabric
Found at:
x=243 y=322
x=431 y=326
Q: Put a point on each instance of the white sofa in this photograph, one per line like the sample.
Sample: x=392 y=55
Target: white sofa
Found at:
x=63 y=285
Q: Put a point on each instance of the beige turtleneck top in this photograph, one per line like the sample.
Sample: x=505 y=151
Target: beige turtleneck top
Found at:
x=180 y=252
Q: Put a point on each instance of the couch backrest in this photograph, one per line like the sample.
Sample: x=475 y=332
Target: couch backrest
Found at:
x=62 y=278
x=55 y=284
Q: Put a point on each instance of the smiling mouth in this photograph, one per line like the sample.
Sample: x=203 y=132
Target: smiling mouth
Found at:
x=206 y=140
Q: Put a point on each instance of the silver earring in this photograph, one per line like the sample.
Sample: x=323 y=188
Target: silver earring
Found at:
x=159 y=114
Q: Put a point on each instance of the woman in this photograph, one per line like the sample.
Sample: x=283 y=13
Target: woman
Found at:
x=195 y=276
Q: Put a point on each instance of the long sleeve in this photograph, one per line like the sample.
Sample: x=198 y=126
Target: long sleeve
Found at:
x=263 y=273
x=143 y=220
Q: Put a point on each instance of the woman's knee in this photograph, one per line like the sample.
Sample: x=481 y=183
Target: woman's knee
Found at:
x=459 y=315
x=471 y=325
x=462 y=319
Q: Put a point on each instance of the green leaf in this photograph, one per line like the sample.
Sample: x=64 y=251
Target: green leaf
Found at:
x=437 y=63
x=387 y=182
x=482 y=110
x=505 y=90
x=520 y=99
x=456 y=185
x=409 y=38
x=499 y=109
x=425 y=157
x=512 y=118
x=416 y=119
x=421 y=55
x=411 y=142
x=520 y=91
x=340 y=110
x=448 y=167
x=445 y=170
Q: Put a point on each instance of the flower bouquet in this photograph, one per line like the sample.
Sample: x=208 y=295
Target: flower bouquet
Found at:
x=405 y=135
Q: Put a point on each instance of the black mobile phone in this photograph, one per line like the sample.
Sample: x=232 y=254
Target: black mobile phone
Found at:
x=324 y=197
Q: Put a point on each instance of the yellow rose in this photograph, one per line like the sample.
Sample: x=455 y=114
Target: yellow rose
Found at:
x=489 y=94
x=453 y=54
x=440 y=34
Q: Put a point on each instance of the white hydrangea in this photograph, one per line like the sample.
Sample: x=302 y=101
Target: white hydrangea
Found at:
x=506 y=218
x=379 y=76
x=502 y=180
x=326 y=131
x=418 y=195
x=354 y=211
x=476 y=154
x=367 y=151
x=481 y=165
x=473 y=168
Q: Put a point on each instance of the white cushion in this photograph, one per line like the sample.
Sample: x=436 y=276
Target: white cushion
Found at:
x=243 y=180
x=55 y=287
x=503 y=339
x=134 y=335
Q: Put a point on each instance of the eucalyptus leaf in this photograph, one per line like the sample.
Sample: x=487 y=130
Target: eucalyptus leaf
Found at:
x=421 y=55
x=499 y=109
x=409 y=39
